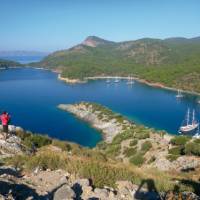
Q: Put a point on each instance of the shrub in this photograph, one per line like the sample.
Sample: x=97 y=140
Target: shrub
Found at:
x=102 y=145
x=192 y=148
x=146 y=146
x=113 y=149
x=172 y=157
x=142 y=135
x=18 y=161
x=123 y=136
x=197 y=141
x=47 y=160
x=62 y=145
x=36 y=140
x=129 y=151
x=152 y=159
x=22 y=134
x=133 y=142
x=137 y=159
x=103 y=174
x=176 y=151
x=180 y=140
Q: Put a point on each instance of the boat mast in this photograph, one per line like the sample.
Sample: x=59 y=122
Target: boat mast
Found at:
x=188 y=116
x=193 y=117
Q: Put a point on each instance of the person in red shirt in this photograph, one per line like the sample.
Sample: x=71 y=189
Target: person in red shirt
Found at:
x=5 y=119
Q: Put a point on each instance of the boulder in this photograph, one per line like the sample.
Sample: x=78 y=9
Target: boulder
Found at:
x=64 y=193
x=101 y=193
x=87 y=192
x=83 y=182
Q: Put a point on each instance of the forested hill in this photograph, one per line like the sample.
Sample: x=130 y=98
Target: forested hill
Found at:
x=174 y=62
x=8 y=63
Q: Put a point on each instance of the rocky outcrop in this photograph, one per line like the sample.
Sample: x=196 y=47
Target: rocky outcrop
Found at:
x=12 y=144
x=59 y=185
x=70 y=81
x=108 y=125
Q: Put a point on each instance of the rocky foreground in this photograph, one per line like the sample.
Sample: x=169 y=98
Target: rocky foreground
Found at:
x=59 y=184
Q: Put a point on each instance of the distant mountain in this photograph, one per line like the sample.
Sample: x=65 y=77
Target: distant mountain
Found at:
x=93 y=41
x=22 y=53
x=174 y=62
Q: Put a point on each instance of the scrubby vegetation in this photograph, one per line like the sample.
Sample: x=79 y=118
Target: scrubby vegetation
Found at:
x=34 y=140
x=180 y=140
x=133 y=142
x=176 y=151
x=146 y=146
x=137 y=159
x=128 y=152
x=183 y=145
x=95 y=163
x=193 y=148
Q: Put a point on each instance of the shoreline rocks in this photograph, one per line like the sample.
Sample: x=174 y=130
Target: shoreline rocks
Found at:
x=140 y=80
x=109 y=127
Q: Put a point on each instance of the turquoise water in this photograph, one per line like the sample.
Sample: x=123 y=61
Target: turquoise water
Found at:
x=31 y=96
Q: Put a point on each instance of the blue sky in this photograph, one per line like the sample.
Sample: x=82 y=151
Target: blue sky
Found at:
x=48 y=25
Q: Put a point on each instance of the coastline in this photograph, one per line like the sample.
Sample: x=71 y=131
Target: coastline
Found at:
x=70 y=81
x=86 y=79
x=101 y=118
x=97 y=116
x=140 y=80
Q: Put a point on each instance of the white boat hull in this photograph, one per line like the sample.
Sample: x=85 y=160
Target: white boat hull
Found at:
x=189 y=128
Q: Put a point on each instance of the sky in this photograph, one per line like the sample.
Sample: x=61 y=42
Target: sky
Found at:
x=49 y=25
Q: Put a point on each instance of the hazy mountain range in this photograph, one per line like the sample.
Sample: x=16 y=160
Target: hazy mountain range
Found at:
x=22 y=53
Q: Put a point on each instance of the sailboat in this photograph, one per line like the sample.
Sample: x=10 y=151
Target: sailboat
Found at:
x=179 y=94
x=116 y=79
x=130 y=80
x=190 y=126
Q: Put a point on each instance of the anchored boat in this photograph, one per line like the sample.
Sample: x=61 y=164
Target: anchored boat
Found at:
x=191 y=125
x=179 y=94
x=130 y=80
x=116 y=80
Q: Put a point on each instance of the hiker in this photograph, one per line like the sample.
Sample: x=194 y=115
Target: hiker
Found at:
x=5 y=119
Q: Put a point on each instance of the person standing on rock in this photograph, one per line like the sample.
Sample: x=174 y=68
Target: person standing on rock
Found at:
x=5 y=119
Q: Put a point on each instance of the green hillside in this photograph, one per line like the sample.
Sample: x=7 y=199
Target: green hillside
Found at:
x=174 y=62
x=8 y=63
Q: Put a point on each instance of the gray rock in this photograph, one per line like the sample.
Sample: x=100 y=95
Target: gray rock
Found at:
x=83 y=182
x=101 y=193
x=14 y=139
x=87 y=192
x=64 y=193
x=8 y=147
